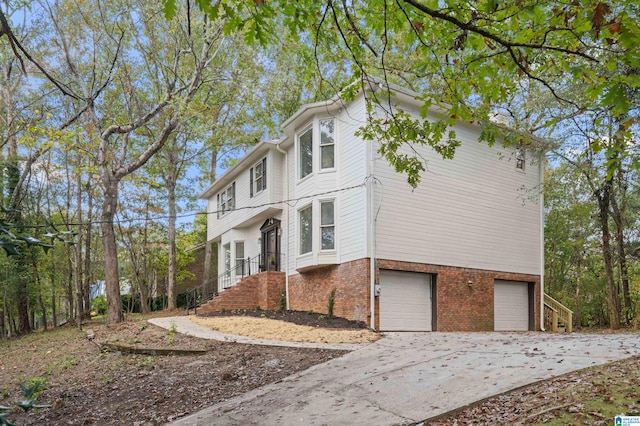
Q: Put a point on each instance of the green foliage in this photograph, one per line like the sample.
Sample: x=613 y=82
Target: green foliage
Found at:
x=30 y=393
x=466 y=60
x=99 y=304
x=282 y=302
x=331 y=303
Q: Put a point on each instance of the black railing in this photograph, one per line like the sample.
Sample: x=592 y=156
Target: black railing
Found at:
x=243 y=268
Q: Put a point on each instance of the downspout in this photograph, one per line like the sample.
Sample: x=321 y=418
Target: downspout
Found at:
x=372 y=239
x=541 y=201
x=286 y=209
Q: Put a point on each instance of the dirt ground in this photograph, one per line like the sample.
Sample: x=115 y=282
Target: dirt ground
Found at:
x=85 y=385
x=292 y=326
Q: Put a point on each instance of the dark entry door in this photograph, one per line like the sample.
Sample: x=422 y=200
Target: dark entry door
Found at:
x=271 y=245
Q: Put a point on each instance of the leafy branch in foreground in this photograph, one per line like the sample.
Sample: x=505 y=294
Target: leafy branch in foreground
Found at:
x=11 y=242
x=29 y=403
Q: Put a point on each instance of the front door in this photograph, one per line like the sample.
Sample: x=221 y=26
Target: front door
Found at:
x=271 y=245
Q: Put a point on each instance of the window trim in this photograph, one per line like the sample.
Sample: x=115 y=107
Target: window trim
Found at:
x=299 y=239
x=331 y=225
x=254 y=189
x=521 y=159
x=321 y=145
x=308 y=128
x=236 y=258
x=227 y=200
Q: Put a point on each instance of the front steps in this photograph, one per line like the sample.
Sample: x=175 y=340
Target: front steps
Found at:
x=263 y=290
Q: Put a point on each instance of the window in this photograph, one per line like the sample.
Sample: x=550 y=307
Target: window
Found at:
x=227 y=200
x=258 y=177
x=327 y=143
x=306 y=229
x=305 y=153
x=227 y=258
x=240 y=258
x=520 y=159
x=327 y=226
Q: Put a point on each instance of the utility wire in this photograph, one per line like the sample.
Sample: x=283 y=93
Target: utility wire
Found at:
x=291 y=202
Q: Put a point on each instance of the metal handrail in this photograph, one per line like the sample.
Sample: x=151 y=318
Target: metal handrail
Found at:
x=252 y=265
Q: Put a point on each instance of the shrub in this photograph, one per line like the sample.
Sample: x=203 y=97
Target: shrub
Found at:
x=331 y=303
x=99 y=305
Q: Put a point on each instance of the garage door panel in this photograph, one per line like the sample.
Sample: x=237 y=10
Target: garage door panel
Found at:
x=511 y=306
x=405 y=301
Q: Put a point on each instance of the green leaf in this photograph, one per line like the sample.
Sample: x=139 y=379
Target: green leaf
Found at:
x=169 y=9
x=10 y=248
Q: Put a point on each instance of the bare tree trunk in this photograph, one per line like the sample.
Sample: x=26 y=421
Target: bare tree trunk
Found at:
x=171 y=279
x=623 y=268
x=43 y=309
x=206 y=276
x=613 y=302
x=112 y=280
x=69 y=287
x=52 y=275
x=88 y=276
x=3 y=308
x=78 y=258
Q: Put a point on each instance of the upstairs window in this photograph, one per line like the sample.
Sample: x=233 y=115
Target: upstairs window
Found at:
x=327 y=144
x=258 y=177
x=305 y=219
x=327 y=226
x=227 y=200
x=520 y=159
x=305 y=153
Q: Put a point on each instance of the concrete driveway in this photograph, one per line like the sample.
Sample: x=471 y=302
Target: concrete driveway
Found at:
x=409 y=377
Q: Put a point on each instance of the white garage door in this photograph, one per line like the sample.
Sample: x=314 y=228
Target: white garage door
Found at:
x=405 y=301
x=511 y=305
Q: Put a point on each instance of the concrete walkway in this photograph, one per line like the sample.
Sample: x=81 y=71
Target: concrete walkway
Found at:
x=409 y=377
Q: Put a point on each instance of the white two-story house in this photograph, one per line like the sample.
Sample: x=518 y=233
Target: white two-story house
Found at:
x=462 y=251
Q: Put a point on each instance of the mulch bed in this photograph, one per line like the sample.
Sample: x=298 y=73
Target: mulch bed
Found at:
x=312 y=319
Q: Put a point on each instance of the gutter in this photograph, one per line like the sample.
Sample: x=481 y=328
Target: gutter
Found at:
x=286 y=209
x=541 y=201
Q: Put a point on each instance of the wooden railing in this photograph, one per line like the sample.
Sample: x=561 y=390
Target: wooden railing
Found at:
x=556 y=313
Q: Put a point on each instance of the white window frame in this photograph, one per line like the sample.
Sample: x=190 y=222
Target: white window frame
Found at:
x=226 y=252
x=227 y=200
x=323 y=145
x=331 y=225
x=258 y=183
x=310 y=130
x=239 y=261
x=308 y=207
x=521 y=159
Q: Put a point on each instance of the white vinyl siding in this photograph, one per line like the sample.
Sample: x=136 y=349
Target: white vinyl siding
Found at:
x=475 y=210
x=265 y=201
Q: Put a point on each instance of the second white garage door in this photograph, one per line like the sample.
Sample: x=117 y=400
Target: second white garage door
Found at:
x=405 y=301
x=511 y=306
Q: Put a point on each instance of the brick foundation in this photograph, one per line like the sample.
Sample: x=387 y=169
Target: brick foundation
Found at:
x=459 y=305
x=309 y=291
x=262 y=290
x=462 y=306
